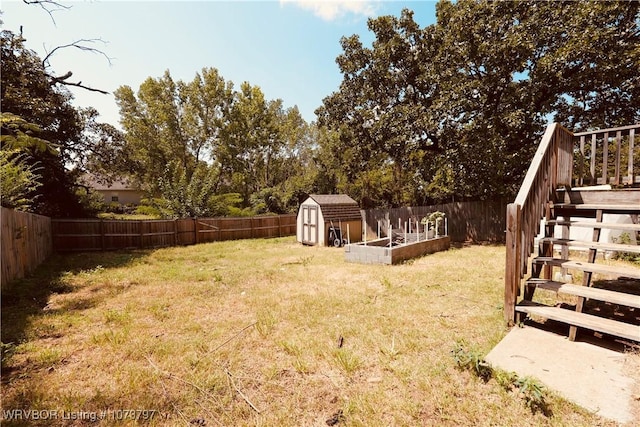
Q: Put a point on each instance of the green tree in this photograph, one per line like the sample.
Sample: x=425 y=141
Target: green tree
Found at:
x=103 y=148
x=188 y=197
x=170 y=122
x=18 y=134
x=19 y=178
x=41 y=110
x=249 y=146
x=456 y=109
x=382 y=110
x=250 y=142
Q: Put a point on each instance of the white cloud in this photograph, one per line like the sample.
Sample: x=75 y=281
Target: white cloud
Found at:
x=330 y=10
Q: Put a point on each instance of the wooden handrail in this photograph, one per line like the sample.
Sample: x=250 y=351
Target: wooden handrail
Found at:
x=550 y=169
x=624 y=129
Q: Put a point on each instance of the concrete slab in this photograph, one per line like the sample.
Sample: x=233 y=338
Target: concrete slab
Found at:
x=588 y=375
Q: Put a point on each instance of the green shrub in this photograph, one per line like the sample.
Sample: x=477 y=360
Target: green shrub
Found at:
x=625 y=239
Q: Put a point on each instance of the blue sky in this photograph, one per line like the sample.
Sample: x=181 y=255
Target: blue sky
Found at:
x=288 y=48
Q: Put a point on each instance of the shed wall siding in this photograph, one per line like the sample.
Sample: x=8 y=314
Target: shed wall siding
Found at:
x=354 y=228
x=342 y=215
x=301 y=221
x=322 y=229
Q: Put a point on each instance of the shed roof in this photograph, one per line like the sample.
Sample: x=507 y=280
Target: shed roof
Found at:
x=337 y=207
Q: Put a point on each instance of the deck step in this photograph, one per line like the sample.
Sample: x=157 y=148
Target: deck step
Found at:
x=600 y=196
x=607 y=225
x=582 y=320
x=633 y=207
x=618 y=247
x=619 y=298
x=610 y=270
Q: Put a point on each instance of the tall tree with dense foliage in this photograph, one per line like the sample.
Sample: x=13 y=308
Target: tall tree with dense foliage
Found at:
x=233 y=142
x=42 y=108
x=171 y=121
x=456 y=109
x=250 y=141
x=170 y=132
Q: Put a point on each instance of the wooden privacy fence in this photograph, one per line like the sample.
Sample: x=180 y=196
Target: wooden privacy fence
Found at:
x=102 y=235
x=26 y=243
x=479 y=221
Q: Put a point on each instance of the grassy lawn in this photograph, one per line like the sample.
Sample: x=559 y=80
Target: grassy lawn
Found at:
x=263 y=333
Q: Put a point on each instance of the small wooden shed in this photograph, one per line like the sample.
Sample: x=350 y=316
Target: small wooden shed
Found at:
x=320 y=212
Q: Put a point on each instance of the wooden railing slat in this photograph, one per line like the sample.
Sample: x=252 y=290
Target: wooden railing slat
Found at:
x=605 y=158
x=630 y=174
x=581 y=165
x=593 y=159
x=616 y=179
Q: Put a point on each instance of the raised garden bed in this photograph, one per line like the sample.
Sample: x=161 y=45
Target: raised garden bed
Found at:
x=384 y=251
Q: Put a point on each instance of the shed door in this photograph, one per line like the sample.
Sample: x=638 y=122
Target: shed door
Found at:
x=310 y=225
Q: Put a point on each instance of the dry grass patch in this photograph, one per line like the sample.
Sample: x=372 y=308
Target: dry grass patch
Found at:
x=261 y=333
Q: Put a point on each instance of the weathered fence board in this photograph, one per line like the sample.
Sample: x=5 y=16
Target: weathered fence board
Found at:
x=26 y=242
x=477 y=221
x=100 y=235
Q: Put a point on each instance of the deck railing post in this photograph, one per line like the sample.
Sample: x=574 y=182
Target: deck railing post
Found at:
x=513 y=266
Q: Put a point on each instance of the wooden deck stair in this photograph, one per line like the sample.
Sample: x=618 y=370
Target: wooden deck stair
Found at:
x=587 y=321
x=567 y=213
x=589 y=267
x=615 y=247
x=613 y=297
x=611 y=226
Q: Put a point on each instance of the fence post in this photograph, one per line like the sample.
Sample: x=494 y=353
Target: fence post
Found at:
x=279 y=225
x=141 y=224
x=102 y=234
x=195 y=228
x=175 y=232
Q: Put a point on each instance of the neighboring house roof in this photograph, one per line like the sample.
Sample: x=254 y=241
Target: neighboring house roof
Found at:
x=337 y=207
x=98 y=184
